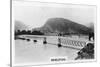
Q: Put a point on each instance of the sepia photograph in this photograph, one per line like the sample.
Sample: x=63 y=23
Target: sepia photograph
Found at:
x=52 y=33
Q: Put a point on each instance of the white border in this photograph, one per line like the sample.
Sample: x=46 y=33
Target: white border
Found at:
x=49 y=4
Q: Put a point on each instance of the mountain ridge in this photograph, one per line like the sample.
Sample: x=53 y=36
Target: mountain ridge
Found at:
x=58 y=25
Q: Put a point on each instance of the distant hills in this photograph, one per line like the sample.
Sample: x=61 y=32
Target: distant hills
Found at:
x=61 y=25
x=58 y=25
x=20 y=26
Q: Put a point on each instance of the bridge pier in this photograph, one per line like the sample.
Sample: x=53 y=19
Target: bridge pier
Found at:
x=28 y=39
x=59 y=42
x=44 y=42
x=35 y=40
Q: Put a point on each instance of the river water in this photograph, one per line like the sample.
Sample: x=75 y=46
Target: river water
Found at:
x=31 y=52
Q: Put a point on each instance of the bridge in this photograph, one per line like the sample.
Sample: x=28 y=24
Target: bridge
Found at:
x=75 y=43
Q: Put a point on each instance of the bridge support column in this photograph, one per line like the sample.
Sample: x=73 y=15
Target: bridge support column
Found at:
x=44 y=42
x=59 y=42
x=35 y=40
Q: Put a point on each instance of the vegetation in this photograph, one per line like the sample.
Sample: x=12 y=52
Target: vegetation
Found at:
x=28 y=32
x=87 y=52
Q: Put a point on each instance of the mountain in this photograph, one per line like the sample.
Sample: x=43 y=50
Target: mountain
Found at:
x=64 y=26
x=91 y=26
x=20 y=26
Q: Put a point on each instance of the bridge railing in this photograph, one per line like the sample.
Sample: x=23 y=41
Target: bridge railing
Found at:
x=77 y=43
x=74 y=43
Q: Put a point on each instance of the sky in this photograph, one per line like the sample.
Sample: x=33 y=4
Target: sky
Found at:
x=35 y=14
